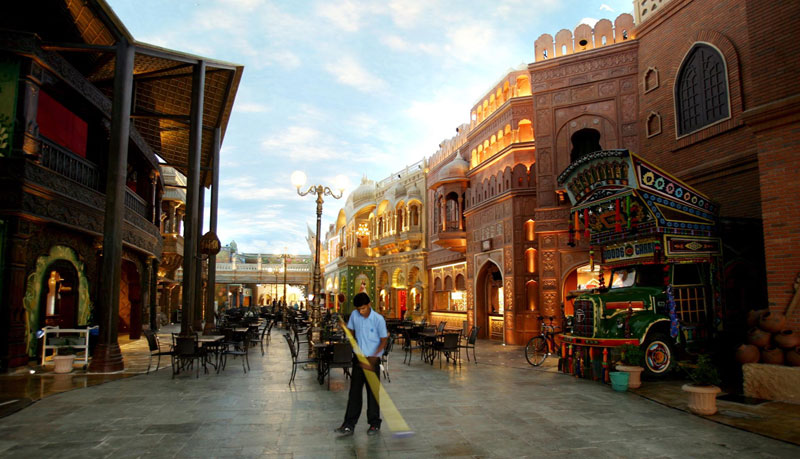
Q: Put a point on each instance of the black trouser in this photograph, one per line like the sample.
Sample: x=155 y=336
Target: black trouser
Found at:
x=357 y=383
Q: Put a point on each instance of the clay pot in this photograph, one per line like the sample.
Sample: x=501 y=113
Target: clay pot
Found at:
x=772 y=355
x=753 y=316
x=772 y=322
x=747 y=353
x=702 y=399
x=758 y=337
x=787 y=339
x=793 y=357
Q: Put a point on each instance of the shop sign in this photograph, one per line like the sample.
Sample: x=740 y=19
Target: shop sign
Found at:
x=629 y=251
x=209 y=244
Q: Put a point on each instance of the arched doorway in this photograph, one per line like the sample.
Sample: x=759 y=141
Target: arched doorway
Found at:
x=580 y=278
x=59 y=300
x=489 y=301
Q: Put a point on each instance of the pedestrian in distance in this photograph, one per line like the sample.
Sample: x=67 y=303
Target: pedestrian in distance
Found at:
x=369 y=329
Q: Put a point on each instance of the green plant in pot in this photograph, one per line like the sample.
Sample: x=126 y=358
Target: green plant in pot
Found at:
x=632 y=360
x=65 y=356
x=703 y=389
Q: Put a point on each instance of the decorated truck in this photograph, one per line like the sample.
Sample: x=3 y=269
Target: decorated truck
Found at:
x=655 y=239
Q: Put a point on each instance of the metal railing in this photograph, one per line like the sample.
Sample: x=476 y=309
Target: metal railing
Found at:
x=135 y=203
x=70 y=165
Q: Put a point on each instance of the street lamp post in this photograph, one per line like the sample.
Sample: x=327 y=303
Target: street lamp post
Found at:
x=285 y=257
x=299 y=180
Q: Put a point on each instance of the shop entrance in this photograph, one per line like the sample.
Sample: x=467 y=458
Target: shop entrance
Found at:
x=130 y=301
x=401 y=303
x=59 y=299
x=582 y=278
x=489 y=299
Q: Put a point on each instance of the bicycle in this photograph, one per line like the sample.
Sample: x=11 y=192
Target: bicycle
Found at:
x=541 y=346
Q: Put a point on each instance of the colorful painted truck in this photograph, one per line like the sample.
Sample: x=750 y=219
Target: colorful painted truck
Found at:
x=656 y=236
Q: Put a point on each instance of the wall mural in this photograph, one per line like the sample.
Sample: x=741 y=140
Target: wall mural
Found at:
x=34 y=286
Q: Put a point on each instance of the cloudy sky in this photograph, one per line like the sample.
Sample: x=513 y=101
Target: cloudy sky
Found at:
x=343 y=87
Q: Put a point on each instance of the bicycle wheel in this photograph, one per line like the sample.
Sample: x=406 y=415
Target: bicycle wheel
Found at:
x=536 y=350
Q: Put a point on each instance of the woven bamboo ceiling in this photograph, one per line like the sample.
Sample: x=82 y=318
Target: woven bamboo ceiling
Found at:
x=162 y=86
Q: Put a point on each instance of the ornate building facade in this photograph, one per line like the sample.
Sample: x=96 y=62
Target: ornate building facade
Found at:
x=80 y=150
x=692 y=96
x=377 y=246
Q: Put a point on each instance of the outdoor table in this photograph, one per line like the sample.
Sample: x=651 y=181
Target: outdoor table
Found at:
x=428 y=338
x=210 y=343
x=322 y=353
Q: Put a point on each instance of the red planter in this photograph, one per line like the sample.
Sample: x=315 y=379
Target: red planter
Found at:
x=772 y=355
x=772 y=322
x=747 y=353
x=758 y=337
x=787 y=339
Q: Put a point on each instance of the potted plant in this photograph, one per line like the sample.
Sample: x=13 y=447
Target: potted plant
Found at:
x=65 y=356
x=632 y=360
x=703 y=389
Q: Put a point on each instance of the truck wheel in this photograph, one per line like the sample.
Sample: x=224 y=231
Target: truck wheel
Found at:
x=658 y=354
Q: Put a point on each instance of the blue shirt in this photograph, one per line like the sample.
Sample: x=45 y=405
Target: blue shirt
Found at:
x=368 y=331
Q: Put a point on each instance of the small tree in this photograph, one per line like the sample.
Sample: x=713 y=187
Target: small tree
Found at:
x=632 y=355
x=704 y=373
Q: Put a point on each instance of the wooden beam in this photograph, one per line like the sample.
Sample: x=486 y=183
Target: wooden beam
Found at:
x=78 y=47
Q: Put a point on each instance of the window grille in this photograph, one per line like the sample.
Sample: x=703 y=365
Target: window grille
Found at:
x=702 y=90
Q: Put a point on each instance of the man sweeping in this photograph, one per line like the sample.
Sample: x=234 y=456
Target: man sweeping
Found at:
x=369 y=329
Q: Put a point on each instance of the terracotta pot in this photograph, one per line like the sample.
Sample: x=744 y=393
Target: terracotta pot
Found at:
x=63 y=363
x=634 y=375
x=753 y=316
x=772 y=322
x=793 y=357
x=787 y=339
x=758 y=337
x=772 y=355
x=747 y=353
x=702 y=399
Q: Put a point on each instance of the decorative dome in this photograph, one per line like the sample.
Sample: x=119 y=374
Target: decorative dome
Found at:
x=399 y=191
x=414 y=193
x=455 y=171
x=365 y=193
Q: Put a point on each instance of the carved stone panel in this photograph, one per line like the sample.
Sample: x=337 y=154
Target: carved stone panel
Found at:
x=548 y=263
x=508 y=260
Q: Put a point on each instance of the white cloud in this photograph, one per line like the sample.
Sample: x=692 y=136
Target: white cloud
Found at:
x=466 y=42
x=250 y=107
x=605 y=7
x=350 y=72
x=588 y=21
x=346 y=15
x=405 y=13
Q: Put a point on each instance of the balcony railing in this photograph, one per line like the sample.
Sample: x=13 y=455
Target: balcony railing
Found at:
x=135 y=203
x=70 y=165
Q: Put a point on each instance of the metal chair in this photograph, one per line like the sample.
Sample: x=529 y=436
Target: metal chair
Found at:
x=385 y=357
x=235 y=344
x=448 y=345
x=470 y=344
x=342 y=357
x=155 y=349
x=295 y=360
x=186 y=351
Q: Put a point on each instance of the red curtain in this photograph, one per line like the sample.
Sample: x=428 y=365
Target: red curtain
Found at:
x=60 y=125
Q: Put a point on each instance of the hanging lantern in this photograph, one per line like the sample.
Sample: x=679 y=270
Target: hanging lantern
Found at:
x=617 y=217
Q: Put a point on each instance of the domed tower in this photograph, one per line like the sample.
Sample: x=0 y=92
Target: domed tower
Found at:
x=448 y=217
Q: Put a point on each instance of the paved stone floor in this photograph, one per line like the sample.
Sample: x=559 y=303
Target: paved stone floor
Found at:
x=497 y=408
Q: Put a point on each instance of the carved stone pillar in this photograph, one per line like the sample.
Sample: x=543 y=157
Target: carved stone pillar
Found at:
x=154 y=210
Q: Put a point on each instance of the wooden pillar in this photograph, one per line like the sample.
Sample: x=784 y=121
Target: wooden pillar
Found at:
x=192 y=225
x=107 y=356
x=12 y=322
x=153 y=282
x=212 y=226
x=197 y=309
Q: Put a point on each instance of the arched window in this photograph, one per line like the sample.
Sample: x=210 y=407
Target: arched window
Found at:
x=701 y=90
x=584 y=142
